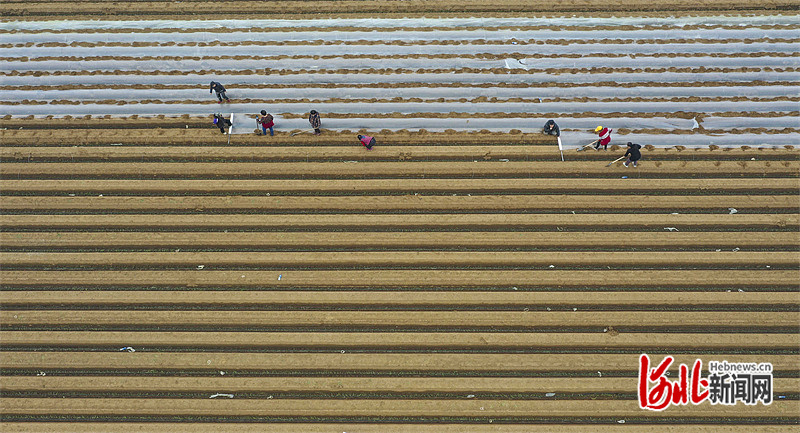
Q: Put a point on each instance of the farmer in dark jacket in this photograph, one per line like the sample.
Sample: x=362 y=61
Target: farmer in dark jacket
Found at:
x=551 y=128
x=221 y=122
x=220 y=89
x=633 y=154
x=313 y=119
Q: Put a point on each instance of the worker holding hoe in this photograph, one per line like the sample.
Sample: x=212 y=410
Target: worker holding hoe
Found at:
x=605 y=137
x=633 y=154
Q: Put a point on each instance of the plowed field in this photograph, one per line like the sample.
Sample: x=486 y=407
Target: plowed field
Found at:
x=156 y=276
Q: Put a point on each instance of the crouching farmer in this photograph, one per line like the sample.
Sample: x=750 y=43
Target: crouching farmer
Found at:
x=550 y=128
x=367 y=141
x=221 y=122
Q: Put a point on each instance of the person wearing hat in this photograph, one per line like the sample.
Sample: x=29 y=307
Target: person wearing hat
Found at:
x=221 y=122
x=605 y=137
x=367 y=141
x=267 y=122
x=313 y=119
x=220 y=89
x=633 y=154
x=551 y=128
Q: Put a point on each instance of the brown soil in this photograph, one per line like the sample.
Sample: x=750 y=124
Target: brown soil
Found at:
x=449 y=282
x=33 y=10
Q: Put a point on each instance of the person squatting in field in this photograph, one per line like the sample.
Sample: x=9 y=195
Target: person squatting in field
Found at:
x=367 y=141
x=605 y=137
x=633 y=154
x=267 y=122
x=221 y=122
x=220 y=89
x=313 y=119
x=550 y=128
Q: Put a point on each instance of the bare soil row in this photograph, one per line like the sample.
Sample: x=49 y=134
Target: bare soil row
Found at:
x=370 y=241
x=410 y=186
x=338 y=29
x=327 y=9
x=416 y=260
x=478 y=223
x=510 y=299
x=396 y=170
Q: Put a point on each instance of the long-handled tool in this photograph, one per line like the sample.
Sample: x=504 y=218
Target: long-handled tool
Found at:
x=560 y=149
x=590 y=144
x=616 y=160
x=229 y=130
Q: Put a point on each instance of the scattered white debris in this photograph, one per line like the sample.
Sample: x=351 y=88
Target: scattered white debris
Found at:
x=269 y=397
x=518 y=289
x=735 y=249
x=115 y=144
x=350 y=161
x=624 y=177
x=741 y=291
x=41 y=373
x=694 y=123
x=622 y=421
x=528 y=309
x=600 y=374
x=221 y=395
x=222 y=373
x=672 y=229
x=552 y=266
x=548 y=309
x=719 y=250
x=574 y=309
x=72 y=195
x=732 y=211
x=200 y=267
x=481 y=407
x=550 y=394
x=781 y=396
x=128 y=349
x=178 y=250
x=605 y=329
x=503 y=160
x=280 y=276
x=752 y=159
x=769 y=266
x=674 y=213
x=342 y=351
x=100 y=195
x=471 y=396
x=573 y=212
